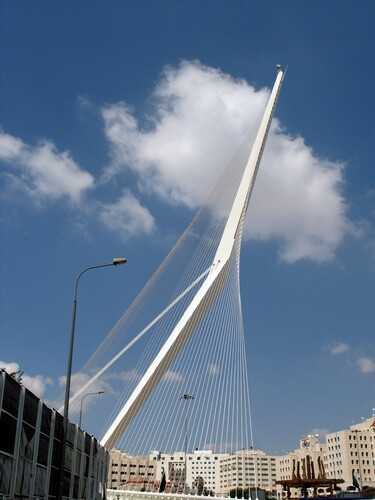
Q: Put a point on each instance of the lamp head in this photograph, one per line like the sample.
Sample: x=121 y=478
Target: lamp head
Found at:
x=119 y=260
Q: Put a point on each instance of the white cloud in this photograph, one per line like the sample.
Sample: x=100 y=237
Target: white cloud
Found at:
x=37 y=384
x=298 y=199
x=131 y=375
x=172 y=376
x=41 y=171
x=198 y=119
x=339 y=348
x=213 y=369
x=321 y=433
x=10 y=367
x=200 y=116
x=127 y=216
x=228 y=447
x=10 y=147
x=366 y=365
x=79 y=380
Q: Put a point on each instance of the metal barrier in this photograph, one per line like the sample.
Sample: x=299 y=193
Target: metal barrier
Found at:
x=143 y=495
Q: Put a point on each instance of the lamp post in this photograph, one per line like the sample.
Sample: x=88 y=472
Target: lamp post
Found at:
x=185 y=397
x=117 y=261
x=359 y=459
x=83 y=397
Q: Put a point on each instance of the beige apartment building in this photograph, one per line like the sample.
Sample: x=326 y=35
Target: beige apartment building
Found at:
x=202 y=466
x=310 y=454
x=343 y=453
x=214 y=473
x=247 y=469
x=130 y=473
x=352 y=451
x=309 y=446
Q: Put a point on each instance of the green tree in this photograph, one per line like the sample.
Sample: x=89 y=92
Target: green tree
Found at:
x=198 y=484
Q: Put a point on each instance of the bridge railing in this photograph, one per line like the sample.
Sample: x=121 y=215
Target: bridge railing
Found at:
x=143 y=495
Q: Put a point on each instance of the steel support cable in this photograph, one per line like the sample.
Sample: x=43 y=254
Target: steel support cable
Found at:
x=189 y=362
x=172 y=273
x=225 y=359
x=210 y=326
x=194 y=322
x=140 y=334
x=213 y=390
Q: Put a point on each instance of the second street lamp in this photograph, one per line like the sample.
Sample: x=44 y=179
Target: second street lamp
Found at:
x=83 y=397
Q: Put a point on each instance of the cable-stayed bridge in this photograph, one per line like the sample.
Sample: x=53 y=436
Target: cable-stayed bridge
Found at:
x=183 y=334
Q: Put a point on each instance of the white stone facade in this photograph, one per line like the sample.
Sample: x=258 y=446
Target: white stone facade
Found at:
x=127 y=472
x=311 y=452
x=220 y=472
x=201 y=463
x=247 y=469
x=343 y=453
x=309 y=446
x=351 y=451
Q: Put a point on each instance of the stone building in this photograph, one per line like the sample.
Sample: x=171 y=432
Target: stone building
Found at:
x=202 y=466
x=306 y=462
x=316 y=467
x=247 y=469
x=130 y=473
x=352 y=451
x=206 y=472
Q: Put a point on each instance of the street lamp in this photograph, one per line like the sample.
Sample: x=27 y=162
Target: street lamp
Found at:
x=83 y=397
x=359 y=459
x=186 y=397
x=117 y=261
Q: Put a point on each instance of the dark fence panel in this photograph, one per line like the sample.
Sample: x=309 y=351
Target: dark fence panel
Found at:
x=30 y=450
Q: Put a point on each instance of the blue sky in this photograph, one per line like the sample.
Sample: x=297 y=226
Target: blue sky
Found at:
x=117 y=119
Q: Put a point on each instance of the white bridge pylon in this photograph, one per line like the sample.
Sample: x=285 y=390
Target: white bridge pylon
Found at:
x=210 y=288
